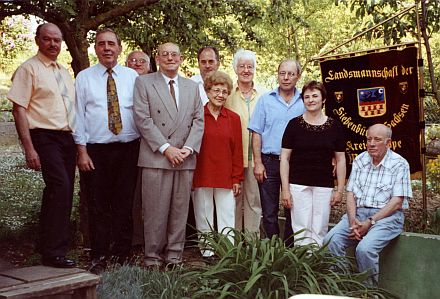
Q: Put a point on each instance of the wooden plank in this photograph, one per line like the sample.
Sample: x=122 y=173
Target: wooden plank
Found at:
x=51 y=286
x=36 y=273
x=7 y=281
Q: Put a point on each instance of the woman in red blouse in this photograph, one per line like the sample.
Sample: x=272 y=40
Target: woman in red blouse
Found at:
x=219 y=168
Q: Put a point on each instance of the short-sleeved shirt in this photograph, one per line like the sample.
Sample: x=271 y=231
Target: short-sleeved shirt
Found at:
x=220 y=161
x=313 y=148
x=374 y=186
x=35 y=88
x=270 y=118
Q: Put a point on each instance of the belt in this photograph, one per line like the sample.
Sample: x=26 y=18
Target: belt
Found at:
x=272 y=156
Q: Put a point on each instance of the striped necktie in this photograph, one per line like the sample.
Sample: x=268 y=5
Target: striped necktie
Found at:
x=114 y=114
x=173 y=92
x=68 y=104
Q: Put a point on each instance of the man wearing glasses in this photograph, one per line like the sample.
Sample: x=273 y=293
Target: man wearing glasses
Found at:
x=139 y=61
x=169 y=115
x=268 y=122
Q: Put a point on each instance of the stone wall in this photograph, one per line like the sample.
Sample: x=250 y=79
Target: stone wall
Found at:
x=8 y=134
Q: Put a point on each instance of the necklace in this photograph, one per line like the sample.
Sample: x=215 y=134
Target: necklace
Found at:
x=245 y=91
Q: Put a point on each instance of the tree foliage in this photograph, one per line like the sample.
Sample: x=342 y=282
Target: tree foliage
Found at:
x=15 y=36
x=75 y=19
x=191 y=24
x=397 y=29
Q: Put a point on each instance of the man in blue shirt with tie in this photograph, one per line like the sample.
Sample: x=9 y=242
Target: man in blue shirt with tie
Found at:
x=269 y=120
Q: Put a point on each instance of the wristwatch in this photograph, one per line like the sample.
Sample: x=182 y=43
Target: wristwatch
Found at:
x=373 y=222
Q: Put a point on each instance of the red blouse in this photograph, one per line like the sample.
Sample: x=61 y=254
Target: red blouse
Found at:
x=220 y=161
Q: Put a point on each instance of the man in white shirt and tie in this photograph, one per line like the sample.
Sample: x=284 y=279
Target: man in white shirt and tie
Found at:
x=108 y=147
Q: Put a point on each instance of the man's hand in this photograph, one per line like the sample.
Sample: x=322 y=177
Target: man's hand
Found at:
x=185 y=152
x=260 y=172
x=359 y=229
x=286 y=199
x=354 y=235
x=236 y=189
x=174 y=155
x=84 y=162
x=32 y=159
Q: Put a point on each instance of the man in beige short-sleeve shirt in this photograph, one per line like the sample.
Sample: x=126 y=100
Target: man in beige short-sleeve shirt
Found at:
x=43 y=95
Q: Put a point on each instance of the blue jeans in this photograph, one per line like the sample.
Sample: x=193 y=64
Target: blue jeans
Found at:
x=270 y=199
x=368 y=249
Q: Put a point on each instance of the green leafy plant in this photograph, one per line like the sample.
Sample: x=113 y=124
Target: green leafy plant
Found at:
x=255 y=268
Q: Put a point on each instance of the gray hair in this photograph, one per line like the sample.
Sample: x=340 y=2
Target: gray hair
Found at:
x=295 y=62
x=244 y=54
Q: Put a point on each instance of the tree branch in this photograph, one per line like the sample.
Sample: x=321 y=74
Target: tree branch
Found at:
x=116 y=11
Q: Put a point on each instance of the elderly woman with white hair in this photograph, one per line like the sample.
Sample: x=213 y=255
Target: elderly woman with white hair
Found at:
x=242 y=101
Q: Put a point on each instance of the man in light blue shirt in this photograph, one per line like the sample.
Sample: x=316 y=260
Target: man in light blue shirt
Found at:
x=108 y=148
x=269 y=120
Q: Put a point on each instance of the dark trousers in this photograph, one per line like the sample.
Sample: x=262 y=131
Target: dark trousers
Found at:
x=270 y=200
x=110 y=190
x=57 y=153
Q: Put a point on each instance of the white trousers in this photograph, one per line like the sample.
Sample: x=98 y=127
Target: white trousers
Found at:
x=203 y=202
x=311 y=212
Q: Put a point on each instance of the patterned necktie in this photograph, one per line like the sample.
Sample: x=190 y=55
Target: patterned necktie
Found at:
x=114 y=114
x=68 y=104
x=173 y=93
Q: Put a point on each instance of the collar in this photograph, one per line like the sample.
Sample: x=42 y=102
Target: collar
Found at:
x=46 y=60
x=168 y=79
x=103 y=69
x=223 y=112
x=385 y=162
x=254 y=89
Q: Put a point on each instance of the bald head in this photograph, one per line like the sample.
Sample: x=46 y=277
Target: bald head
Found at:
x=381 y=129
x=168 y=59
x=48 y=39
x=139 y=61
x=378 y=141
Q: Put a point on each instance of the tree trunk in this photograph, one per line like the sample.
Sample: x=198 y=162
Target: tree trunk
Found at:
x=428 y=54
x=77 y=44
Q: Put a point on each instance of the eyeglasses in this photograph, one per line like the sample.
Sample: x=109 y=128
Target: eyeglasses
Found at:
x=245 y=67
x=140 y=60
x=165 y=54
x=289 y=74
x=220 y=91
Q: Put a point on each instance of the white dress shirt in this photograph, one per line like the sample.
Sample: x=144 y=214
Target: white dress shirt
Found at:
x=176 y=86
x=91 y=105
x=203 y=95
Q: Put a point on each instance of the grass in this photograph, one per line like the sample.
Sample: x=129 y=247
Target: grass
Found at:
x=20 y=195
x=20 y=203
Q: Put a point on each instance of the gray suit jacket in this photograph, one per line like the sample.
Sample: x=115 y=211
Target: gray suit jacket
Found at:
x=160 y=122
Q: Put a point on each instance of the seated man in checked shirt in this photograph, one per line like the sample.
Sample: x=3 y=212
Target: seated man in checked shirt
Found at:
x=378 y=190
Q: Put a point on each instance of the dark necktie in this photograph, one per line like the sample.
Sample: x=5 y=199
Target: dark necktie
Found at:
x=114 y=114
x=173 y=93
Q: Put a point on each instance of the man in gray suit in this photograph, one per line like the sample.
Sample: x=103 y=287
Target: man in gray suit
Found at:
x=169 y=115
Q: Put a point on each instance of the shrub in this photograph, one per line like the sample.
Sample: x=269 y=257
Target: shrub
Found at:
x=255 y=268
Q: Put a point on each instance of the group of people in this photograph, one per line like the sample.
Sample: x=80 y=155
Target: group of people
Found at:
x=145 y=143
